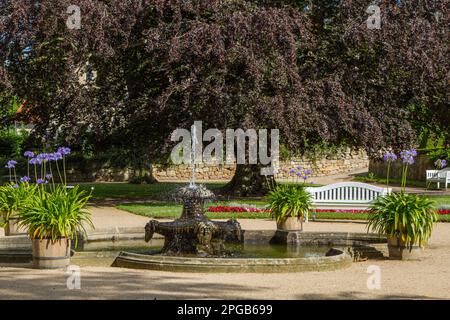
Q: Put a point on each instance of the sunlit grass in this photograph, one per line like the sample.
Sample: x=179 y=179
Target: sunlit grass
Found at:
x=172 y=210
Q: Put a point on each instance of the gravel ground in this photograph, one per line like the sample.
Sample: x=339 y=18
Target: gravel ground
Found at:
x=427 y=278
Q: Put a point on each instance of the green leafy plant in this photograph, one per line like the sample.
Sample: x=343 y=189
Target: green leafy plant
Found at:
x=408 y=217
x=289 y=201
x=14 y=197
x=57 y=214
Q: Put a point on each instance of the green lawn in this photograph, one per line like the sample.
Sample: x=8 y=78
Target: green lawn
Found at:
x=168 y=210
x=157 y=191
x=130 y=191
x=163 y=209
x=395 y=182
x=171 y=210
x=441 y=201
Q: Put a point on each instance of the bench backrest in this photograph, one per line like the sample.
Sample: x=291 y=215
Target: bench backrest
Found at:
x=347 y=192
x=438 y=174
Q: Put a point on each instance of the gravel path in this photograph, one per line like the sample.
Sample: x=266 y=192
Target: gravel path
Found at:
x=425 y=278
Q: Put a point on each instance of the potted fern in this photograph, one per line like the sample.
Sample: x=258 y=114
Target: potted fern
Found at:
x=407 y=220
x=53 y=219
x=13 y=197
x=289 y=205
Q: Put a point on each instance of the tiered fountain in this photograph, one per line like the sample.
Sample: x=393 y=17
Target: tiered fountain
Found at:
x=193 y=232
x=194 y=243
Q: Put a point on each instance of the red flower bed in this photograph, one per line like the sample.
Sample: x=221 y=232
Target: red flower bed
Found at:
x=235 y=209
x=341 y=210
x=244 y=209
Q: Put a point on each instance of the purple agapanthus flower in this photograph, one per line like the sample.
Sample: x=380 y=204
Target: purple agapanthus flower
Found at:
x=444 y=163
x=42 y=156
x=299 y=167
x=408 y=156
x=292 y=171
x=298 y=174
x=35 y=161
x=57 y=156
x=389 y=157
x=41 y=181
x=305 y=177
x=25 y=179
x=11 y=164
x=64 y=151
x=29 y=154
x=308 y=172
x=48 y=176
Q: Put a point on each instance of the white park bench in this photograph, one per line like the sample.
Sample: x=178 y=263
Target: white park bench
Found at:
x=346 y=195
x=439 y=176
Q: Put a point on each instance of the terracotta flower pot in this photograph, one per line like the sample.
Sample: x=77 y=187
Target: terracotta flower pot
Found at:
x=51 y=255
x=290 y=224
x=399 y=251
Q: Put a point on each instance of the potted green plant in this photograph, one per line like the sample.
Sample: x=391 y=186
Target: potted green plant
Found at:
x=289 y=205
x=406 y=220
x=13 y=197
x=53 y=219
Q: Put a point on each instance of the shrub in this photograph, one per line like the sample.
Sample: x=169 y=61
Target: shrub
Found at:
x=11 y=143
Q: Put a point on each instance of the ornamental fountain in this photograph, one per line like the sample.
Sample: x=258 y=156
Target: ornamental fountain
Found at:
x=193 y=243
x=193 y=232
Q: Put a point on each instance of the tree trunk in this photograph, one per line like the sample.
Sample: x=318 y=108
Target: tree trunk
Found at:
x=248 y=181
x=142 y=170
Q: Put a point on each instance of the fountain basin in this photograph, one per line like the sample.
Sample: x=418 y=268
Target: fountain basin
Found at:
x=313 y=246
x=126 y=247
x=241 y=265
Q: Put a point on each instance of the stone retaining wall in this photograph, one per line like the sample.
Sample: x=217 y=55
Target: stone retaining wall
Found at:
x=346 y=161
x=92 y=171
